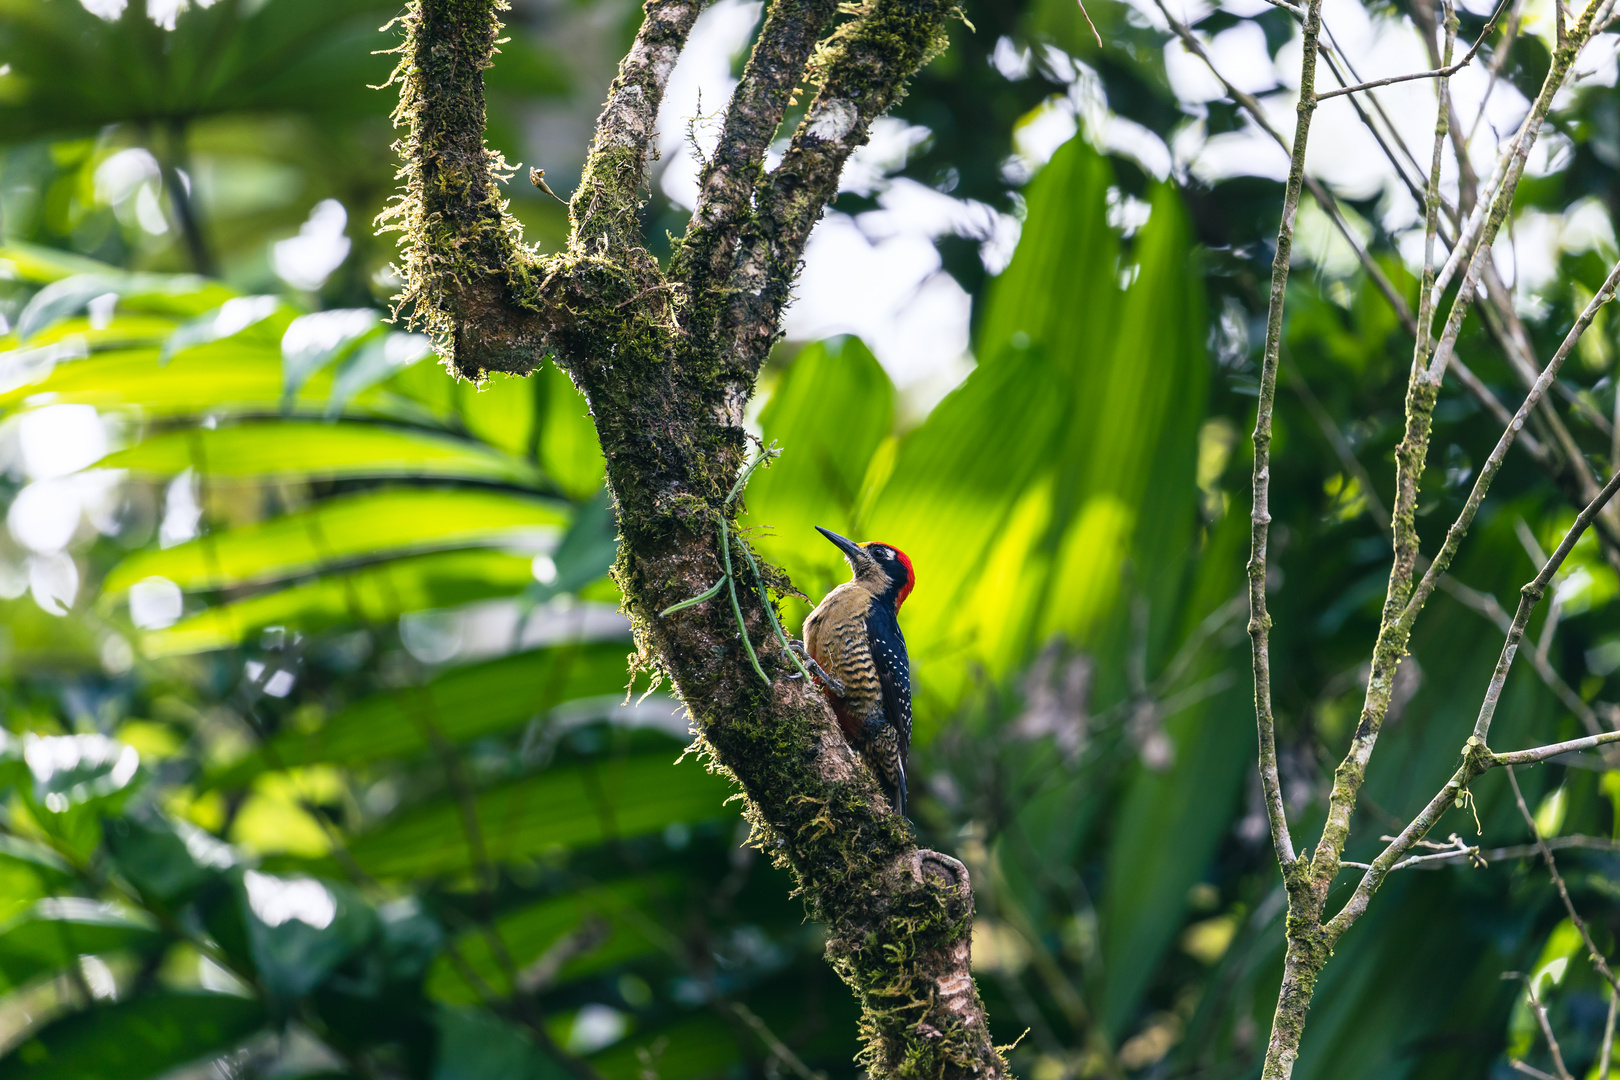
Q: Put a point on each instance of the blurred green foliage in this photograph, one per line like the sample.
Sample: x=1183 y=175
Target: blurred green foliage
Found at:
x=322 y=756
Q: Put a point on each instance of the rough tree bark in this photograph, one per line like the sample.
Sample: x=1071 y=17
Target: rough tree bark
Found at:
x=667 y=358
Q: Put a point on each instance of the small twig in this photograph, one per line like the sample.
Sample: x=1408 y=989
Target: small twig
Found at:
x=1487 y=605
x=1498 y=62
x=1546 y=1028
x=1608 y=1037
x=1260 y=510
x=1439 y=73
x=1598 y=961
x=1476 y=757
x=1093 y=25
x=1493 y=463
x=778 y=1048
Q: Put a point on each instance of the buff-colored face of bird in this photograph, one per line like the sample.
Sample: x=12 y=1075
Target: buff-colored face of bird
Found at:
x=882 y=568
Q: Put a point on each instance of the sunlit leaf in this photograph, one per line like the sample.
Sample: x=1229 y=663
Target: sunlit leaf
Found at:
x=219 y=379
x=264 y=450
x=169 y=294
x=569 y=451
x=262 y=314
x=371 y=594
x=374 y=361
x=830 y=410
x=368 y=526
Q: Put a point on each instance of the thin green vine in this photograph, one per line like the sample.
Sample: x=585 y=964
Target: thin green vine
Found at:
x=728 y=579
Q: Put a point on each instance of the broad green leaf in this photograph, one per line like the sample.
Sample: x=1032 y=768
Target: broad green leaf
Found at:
x=369 y=526
x=620 y=918
x=235 y=316
x=503 y=410
x=267 y=449
x=372 y=362
x=372 y=594
x=692 y=1046
x=1132 y=450
x=76 y=780
x=127 y=330
x=80 y=72
x=72 y=770
x=301 y=928
x=133 y=1040
x=42 y=265
x=458 y=706
x=830 y=410
x=217 y=379
x=165 y=294
x=476 y=1045
x=956 y=481
x=312 y=342
x=570 y=806
x=569 y=450
x=165 y=859
x=1060 y=289
x=29 y=871
x=585 y=554
x=55 y=932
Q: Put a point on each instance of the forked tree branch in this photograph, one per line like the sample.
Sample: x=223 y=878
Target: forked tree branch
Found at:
x=1309 y=879
x=666 y=360
x=1477 y=757
x=855 y=67
x=726 y=188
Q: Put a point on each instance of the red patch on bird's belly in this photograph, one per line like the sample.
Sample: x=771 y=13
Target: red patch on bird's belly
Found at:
x=846 y=722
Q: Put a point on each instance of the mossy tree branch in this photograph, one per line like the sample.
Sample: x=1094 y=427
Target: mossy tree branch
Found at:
x=667 y=359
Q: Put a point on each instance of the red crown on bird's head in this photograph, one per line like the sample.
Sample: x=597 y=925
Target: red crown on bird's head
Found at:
x=904 y=560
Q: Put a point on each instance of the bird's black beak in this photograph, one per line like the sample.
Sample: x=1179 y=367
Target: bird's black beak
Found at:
x=852 y=551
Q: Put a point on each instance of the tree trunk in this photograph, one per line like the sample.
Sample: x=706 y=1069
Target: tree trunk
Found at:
x=667 y=360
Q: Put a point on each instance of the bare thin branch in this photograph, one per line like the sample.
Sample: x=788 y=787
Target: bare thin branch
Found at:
x=1260 y=513
x=1530 y=595
x=1439 y=73
x=1607 y=1051
x=1410 y=456
x=1530 y=1070
x=1552 y=750
x=1502 y=201
x=1325 y=198
x=1541 y=1012
x=1476 y=758
x=1493 y=463
x=1487 y=605
x=1592 y=951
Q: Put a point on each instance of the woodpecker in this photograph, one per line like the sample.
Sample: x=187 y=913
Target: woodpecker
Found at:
x=859 y=657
